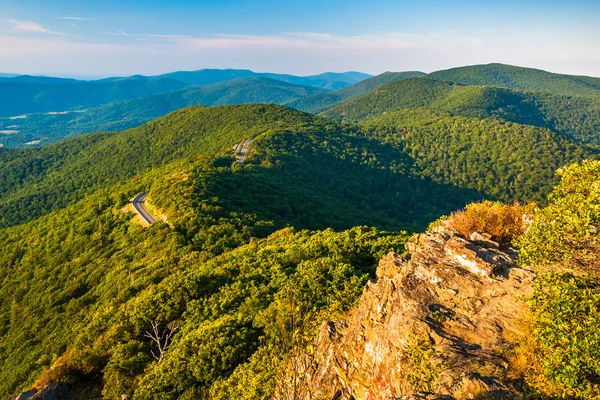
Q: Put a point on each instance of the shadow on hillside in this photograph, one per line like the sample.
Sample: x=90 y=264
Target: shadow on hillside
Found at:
x=315 y=190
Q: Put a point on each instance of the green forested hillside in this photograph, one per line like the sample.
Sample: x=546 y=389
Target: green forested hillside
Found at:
x=85 y=306
x=132 y=113
x=394 y=96
x=321 y=102
x=35 y=181
x=329 y=164
x=520 y=78
x=231 y=274
x=504 y=160
x=575 y=117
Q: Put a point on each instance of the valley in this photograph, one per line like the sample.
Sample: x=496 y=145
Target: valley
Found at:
x=304 y=214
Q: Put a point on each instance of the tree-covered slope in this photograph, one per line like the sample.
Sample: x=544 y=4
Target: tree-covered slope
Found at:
x=231 y=275
x=238 y=304
x=43 y=128
x=575 y=117
x=320 y=102
x=35 y=181
x=394 y=96
x=331 y=167
x=504 y=160
x=520 y=78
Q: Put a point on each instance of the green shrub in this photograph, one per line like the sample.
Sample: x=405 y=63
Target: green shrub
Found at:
x=567 y=332
x=566 y=231
x=562 y=244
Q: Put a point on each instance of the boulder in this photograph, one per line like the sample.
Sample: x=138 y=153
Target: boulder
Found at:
x=52 y=391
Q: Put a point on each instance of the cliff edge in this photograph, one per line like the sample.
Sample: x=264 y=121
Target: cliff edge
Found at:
x=436 y=324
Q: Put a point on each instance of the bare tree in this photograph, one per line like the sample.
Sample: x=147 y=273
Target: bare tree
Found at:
x=161 y=338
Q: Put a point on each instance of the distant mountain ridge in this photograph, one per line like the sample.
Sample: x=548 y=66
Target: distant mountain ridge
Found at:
x=513 y=77
x=563 y=103
x=574 y=117
x=320 y=102
x=26 y=94
x=121 y=115
x=327 y=80
x=18 y=97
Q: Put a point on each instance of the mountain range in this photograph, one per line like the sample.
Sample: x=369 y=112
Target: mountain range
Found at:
x=530 y=96
x=248 y=256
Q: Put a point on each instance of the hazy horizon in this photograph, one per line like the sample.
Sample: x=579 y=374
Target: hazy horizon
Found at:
x=104 y=76
x=111 y=38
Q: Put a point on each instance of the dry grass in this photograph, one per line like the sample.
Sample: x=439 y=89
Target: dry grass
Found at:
x=525 y=360
x=503 y=222
x=60 y=371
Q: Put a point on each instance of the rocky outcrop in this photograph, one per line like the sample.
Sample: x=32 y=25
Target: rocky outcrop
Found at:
x=435 y=324
x=52 y=391
x=76 y=388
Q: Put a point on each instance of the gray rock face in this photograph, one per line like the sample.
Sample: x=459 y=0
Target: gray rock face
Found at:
x=25 y=395
x=52 y=391
x=435 y=325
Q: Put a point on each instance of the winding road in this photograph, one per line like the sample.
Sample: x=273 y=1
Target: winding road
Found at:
x=244 y=149
x=138 y=205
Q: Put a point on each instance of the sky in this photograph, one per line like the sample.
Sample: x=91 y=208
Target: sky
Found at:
x=98 y=38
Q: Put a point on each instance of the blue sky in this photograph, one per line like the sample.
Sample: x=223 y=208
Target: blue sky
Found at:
x=109 y=37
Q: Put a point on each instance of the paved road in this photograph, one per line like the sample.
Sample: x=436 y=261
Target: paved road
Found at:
x=138 y=205
x=243 y=151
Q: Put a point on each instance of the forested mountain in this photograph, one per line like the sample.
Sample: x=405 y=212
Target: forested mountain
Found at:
x=18 y=98
x=85 y=308
x=36 y=181
x=321 y=102
x=520 y=78
x=116 y=116
x=500 y=159
x=563 y=103
x=229 y=275
x=328 y=80
x=36 y=79
x=574 y=117
x=30 y=94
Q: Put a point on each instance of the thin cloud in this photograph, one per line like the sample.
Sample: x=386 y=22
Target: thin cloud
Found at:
x=32 y=27
x=327 y=42
x=123 y=33
x=79 y=18
x=140 y=36
x=166 y=36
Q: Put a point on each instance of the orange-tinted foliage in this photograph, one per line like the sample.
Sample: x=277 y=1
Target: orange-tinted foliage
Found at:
x=503 y=222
